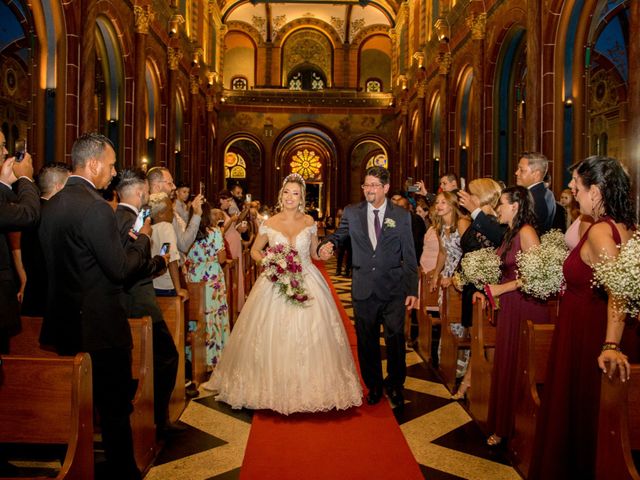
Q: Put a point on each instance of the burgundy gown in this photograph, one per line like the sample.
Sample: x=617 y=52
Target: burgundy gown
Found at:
x=515 y=309
x=567 y=426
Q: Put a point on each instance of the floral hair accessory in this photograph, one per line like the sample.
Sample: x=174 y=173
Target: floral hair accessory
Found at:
x=294 y=177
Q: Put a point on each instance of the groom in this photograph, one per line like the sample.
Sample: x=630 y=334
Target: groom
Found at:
x=385 y=282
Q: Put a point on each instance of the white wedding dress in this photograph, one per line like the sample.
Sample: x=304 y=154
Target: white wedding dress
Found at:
x=285 y=357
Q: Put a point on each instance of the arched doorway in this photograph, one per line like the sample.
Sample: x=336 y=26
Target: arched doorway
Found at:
x=311 y=152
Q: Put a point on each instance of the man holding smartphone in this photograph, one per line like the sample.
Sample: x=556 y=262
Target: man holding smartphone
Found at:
x=133 y=191
x=87 y=268
x=19 y=209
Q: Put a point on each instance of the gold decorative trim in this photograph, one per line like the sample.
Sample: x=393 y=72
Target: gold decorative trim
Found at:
x=143 y=18
x=174 y=55
x=477 y=24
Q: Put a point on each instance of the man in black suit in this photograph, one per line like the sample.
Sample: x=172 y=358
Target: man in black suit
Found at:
x=530 y=174
x=51 y=179
x=531 y=171
x=87 y=267
x=385 y=282
x=133 y=192
x=19 y=209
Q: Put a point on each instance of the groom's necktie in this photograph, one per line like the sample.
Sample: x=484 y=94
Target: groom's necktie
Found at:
x=376 y=223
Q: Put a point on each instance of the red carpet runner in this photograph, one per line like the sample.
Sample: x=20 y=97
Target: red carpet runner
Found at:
x=360 y=443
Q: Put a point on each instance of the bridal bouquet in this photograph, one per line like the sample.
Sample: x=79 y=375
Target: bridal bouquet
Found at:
x=620 y=276
x=480 y=267
x=282 y=267
x=540 y=268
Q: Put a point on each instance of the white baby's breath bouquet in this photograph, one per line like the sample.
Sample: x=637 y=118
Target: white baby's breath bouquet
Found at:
x=621 y=276
x=540 y=268
x=479 y=268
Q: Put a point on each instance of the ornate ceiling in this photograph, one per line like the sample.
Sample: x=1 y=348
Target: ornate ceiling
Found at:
x=347 y=17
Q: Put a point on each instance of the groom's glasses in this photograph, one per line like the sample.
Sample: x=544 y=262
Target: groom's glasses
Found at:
x=365 y=186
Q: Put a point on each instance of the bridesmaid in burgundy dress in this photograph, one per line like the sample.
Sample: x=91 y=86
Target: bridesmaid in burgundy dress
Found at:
x=566 y=434
x=516 y=211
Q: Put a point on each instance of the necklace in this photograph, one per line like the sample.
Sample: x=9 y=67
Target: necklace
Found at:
x=447 y=226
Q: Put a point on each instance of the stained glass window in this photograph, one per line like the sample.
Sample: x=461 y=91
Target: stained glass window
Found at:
x=307 y=163
x=239 y=83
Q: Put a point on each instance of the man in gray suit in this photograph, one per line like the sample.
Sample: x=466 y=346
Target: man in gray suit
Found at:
x=385 y=282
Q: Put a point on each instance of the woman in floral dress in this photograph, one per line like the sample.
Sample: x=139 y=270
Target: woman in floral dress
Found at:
x=204 y=264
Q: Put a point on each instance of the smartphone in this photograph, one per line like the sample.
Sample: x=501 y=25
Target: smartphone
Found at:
x=248 y=198
x=410 y=186
x=21 y=150
x=143 y=214
x=201 y=188
x=164 y=249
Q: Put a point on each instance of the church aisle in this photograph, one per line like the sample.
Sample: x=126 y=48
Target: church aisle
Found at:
x=444 y=440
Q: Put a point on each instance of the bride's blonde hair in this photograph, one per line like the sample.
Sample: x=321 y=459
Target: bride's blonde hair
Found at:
x=294 y=178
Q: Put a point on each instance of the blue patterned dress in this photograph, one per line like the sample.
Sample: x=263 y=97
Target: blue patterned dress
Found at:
x=203 y=266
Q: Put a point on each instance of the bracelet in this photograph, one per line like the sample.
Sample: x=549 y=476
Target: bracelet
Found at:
x=610 y=346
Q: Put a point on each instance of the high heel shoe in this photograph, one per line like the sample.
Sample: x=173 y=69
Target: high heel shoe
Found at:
x=494 y=440
x=462 y=391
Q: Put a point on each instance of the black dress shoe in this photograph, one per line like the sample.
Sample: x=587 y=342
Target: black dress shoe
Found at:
x=170 y=430
x=374 y=396
x=396 y=398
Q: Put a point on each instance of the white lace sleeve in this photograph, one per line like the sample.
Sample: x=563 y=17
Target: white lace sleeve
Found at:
x=263 y=229
x=314 y=229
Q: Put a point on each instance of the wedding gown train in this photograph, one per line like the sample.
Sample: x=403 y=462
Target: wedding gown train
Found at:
x=285 y=357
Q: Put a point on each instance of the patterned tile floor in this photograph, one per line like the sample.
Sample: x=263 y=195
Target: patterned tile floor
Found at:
x=445 y=441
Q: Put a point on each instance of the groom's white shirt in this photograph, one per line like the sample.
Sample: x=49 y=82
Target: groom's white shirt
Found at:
x=371 y=218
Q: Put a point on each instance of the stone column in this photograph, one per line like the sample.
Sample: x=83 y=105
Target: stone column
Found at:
x=174 y=55
x=143 y=17
x=633 y=114
x=88 y=120
x=212 y=175
x=477 y=25
x=194 y=151
x=444 y=66
x=533 y=132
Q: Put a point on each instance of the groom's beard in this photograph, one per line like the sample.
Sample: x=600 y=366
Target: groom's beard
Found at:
x=370 y=197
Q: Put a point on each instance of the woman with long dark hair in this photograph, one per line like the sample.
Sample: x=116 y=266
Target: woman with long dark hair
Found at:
x=204 y=264
x=516 y=211
x=588 y=328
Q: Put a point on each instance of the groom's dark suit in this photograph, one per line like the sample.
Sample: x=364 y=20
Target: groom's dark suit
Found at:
x=382 y=279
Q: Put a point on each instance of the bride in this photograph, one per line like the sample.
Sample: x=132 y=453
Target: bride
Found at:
x=281 y=356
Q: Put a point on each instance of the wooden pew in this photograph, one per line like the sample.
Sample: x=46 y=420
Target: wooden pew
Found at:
x=450 y=344
x=535 y=345
x=142 y=417
x=618 y=427
x=483 y=343
x=425 y=318
x=50 y=401
x=196 y=310
x=248 y=264
x=27 y=342
x=173 y=311
x=231 y=281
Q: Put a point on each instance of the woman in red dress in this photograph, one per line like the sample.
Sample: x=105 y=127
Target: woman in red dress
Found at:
x=566 y=434
x=515 y=210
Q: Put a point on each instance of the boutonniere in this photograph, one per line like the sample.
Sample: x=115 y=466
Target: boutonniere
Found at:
x=389 y=223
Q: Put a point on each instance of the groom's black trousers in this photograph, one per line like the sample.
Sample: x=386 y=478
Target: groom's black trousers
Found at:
x=369 y=315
